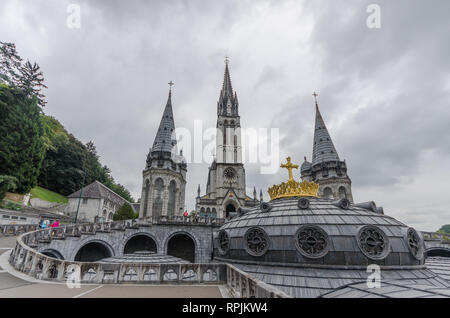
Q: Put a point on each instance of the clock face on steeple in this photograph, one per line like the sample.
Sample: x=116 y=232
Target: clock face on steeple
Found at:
x=230 y=174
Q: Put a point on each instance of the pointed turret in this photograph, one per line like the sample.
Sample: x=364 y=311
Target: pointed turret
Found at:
x=228 y=103
x=165 y=138
x=164 y=163
x=323 y=149
x=326 y=169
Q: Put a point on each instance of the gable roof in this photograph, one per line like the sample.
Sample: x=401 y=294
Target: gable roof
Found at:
x=97 y=190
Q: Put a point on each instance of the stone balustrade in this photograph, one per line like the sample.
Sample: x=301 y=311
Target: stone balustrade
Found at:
x=26 y=259
x=438 y=237
x=92 y=228
x=16 y=229
x=243 y=285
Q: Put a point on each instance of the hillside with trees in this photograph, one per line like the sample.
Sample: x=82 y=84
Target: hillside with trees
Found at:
x=36 y=149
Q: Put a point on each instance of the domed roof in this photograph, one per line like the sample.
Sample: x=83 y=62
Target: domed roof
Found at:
x=306 y=165
x=305 y=230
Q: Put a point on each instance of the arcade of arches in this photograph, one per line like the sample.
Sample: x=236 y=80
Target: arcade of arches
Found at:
x=140 y=243
x=92 y=252
x=182 y=246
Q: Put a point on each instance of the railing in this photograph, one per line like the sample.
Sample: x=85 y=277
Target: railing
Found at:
x=243 y=285
x=34 y=264
x=437 y=237
x=92 y=228
x=16 y=229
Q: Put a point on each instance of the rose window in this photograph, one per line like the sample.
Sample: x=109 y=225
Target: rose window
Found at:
x=311 y=241
x=230 y=174
x=257 y=241
x=373 y=242
x=415 y=244
x=224 y=242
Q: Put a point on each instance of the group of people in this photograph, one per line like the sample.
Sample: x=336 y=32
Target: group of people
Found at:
x=46 y=223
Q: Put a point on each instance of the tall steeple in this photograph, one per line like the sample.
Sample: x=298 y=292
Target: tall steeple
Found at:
x=164 y=176
x=228 y=102
x=326 y=168
x=323 y=148
x=165 y=138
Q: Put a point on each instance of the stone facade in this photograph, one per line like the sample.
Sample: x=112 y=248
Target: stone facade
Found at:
x=164 y=176
x=226 y=187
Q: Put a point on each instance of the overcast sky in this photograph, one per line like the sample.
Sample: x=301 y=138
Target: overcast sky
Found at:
x=384 y=93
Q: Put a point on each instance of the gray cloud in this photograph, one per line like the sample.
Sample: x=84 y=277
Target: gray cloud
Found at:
x=383 y=93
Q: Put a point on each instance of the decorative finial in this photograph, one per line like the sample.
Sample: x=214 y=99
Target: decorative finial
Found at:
x=171 y=84
x=227 y=60
x=289 y=166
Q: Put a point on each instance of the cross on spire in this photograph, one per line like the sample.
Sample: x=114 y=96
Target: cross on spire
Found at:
x=289 y=166
x=171 y=84
x=315 y=96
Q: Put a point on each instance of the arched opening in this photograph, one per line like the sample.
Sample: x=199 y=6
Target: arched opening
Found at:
x=437 y=252
x=214 y=213
x=140 y=243
x=92 y=252
x=111 y=216
x=171 y=203
x=327 y=193
x=342 y=193
x=230 y=208
x=202 y=212
x=158 y=202
x=52 y=253
x=182 y=246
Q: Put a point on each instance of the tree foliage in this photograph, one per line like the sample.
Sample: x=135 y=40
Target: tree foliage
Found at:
x=7 y=184
x=67 y=159
x=26 y=76
x=21 y=147
x=125 y=212
x=445 y=229
x=29 y=139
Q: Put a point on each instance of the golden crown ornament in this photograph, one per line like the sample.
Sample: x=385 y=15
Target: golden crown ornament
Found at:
x=292 y=188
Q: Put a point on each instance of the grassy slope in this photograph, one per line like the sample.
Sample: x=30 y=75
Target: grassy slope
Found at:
x=48 y=195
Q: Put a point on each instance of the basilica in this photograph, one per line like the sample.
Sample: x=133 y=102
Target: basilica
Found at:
x=164 y=176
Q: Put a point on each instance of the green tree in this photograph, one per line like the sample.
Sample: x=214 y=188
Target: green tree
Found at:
x=445 y=229
x=21 y=147
x=7 y=184
x=125 y=212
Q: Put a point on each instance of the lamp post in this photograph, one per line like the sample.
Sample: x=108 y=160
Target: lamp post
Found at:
x=81 y=194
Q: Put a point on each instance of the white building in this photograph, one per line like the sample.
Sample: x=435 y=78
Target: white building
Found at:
x=98 y=203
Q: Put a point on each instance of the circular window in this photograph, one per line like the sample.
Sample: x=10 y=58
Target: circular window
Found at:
x=373 y=242
x=415 y=244
x=265 y=207
x=224 y=242
x=311 y=241
x=303 y=203
x=256 y=241
x=230 y=174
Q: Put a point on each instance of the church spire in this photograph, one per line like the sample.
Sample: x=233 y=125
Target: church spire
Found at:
x=164 y=141
x=323 y=148
x=228 y=103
